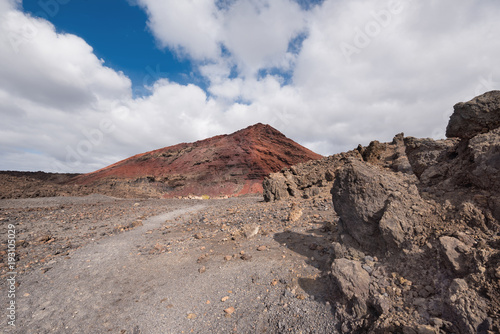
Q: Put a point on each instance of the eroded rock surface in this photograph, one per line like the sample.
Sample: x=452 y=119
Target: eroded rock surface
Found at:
x=418 y=221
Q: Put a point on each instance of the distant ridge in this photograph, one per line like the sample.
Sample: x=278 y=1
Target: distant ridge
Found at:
x=234 y=164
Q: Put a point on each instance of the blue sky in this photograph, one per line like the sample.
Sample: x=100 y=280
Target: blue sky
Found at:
x=85 y=83
x=118 y=33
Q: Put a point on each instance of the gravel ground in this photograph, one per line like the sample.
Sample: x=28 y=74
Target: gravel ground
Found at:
x=98 y=264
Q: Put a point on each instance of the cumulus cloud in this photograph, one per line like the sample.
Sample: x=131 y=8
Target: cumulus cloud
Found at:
x=329 y=76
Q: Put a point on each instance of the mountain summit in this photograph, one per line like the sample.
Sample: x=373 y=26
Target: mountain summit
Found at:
x=234 y=164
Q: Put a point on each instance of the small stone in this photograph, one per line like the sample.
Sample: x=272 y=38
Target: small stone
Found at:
x=191 y=316
x=261 y=248
x=274 y=282
x=228 y=258
x=367 y=268
x=223 y=299
x=229 y=310
x=436 y=322
x=425 y=329
x=246 y=257
x=198 y=236
x=202 y=270
x=301 y=296
x=497 y=272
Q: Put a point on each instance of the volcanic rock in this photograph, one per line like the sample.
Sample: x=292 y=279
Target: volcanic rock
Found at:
x=233 y=164
x=430 y=212
x=353 y=283
x=455 y=253
x=480 y=115
x=374 y=206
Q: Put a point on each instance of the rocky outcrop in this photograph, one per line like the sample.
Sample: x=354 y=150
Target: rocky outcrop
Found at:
x=480 y=115
x=429 y=225
x=378 y=209
x=417 y=244
x=315 y=178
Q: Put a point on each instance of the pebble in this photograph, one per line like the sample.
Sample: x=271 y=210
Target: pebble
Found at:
x=229 y=310
x=368 y=269
x=202 y=270
x=223 y=299
x=191 y=316
x=261 y=248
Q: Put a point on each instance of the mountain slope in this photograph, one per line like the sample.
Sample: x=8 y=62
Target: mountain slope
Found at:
x=232 y=164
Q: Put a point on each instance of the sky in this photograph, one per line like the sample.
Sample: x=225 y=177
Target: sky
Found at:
x=86 y=83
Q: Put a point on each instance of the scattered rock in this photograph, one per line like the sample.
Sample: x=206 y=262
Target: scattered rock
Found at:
x=250 y=230
x=246 y=257
x=295 y=213
x=229 y=310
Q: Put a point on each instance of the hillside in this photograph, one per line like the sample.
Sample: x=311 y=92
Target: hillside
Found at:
x=230 y=165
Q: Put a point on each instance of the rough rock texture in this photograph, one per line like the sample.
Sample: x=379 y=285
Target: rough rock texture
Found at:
x=315 y=177
x=455 y=253
x=377 y=208
x=420 y=217
x=353 y=282
x=480 y=115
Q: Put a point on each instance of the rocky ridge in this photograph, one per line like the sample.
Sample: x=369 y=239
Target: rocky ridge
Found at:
x=417 y=241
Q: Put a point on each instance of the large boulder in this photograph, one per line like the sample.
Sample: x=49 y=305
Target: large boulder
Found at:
x=275 y=188
x=480 y=115
x=376 y=206
x=484 y=153
x=353 y=284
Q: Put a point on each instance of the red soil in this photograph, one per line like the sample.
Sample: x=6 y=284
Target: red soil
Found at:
x=232 y=164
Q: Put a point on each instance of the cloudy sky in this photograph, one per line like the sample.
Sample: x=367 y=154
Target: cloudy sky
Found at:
x=84 y=84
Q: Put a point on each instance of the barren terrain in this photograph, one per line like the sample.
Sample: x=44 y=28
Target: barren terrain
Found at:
x=97 y=264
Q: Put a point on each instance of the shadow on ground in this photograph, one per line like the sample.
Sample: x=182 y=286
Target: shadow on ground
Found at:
x=317 y=248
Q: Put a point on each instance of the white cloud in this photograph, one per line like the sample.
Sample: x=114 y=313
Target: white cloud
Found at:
x=188 y=26
x=63 y=109
x=257 y=33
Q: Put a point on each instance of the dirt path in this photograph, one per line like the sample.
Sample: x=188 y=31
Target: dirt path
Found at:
x=93 y=289
x=183 y=272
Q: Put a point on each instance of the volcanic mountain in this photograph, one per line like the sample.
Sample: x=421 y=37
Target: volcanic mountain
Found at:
x=234 y=164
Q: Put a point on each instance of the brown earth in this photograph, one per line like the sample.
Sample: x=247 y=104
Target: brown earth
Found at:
x=229 y=165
